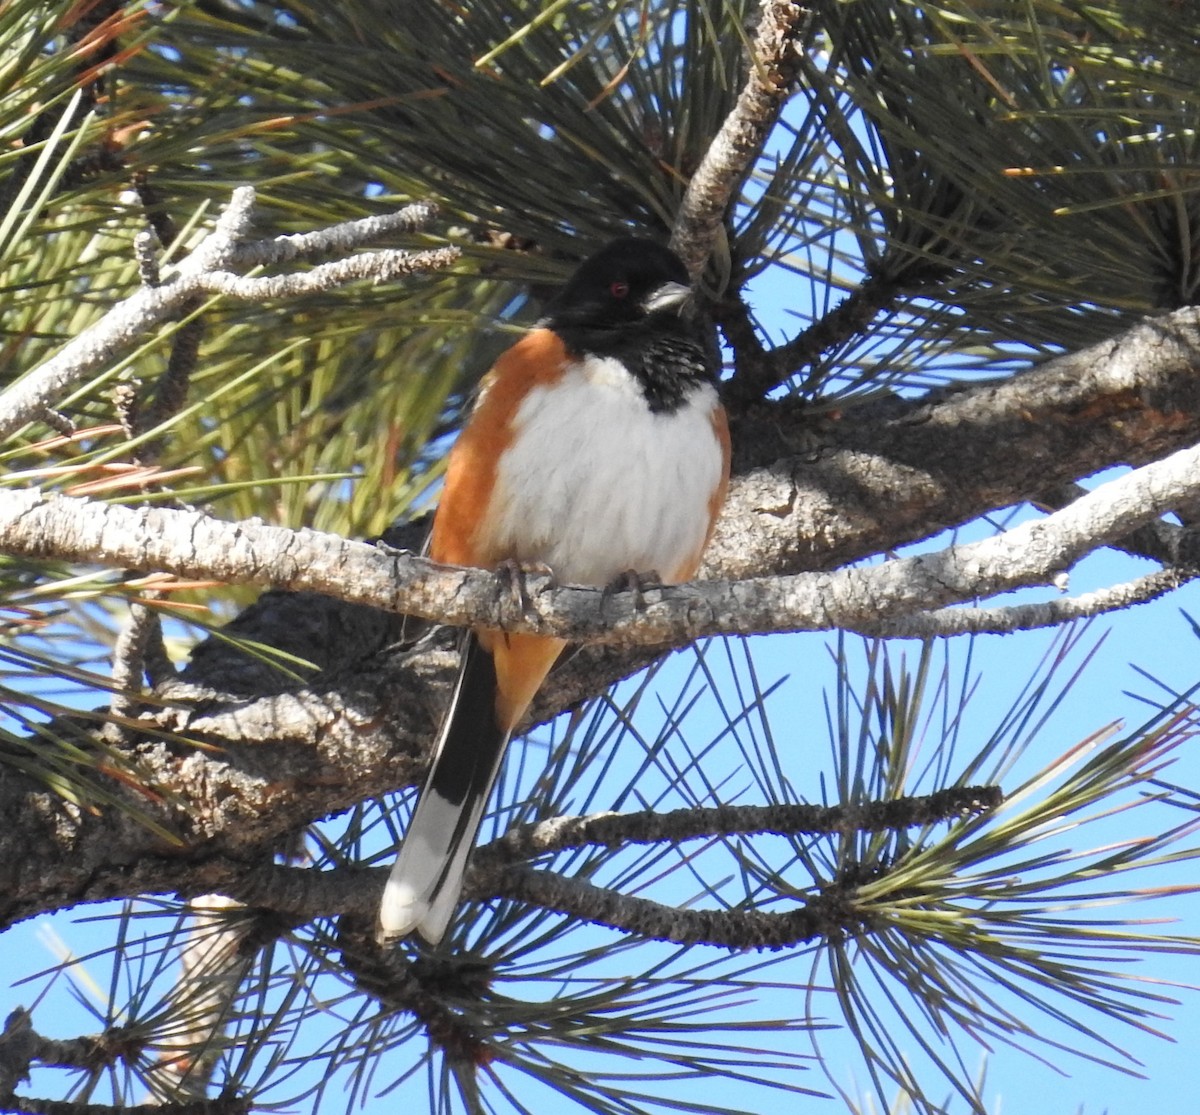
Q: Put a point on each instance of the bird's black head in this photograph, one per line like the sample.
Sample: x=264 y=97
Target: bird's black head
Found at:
x=626 y=282
x=624 y=303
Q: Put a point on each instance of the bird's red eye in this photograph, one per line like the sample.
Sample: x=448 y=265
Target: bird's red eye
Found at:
x=618 y=289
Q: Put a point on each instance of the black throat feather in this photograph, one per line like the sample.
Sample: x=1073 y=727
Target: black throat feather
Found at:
x=661 y=355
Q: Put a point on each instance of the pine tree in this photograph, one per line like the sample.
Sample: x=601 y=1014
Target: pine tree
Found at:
x=255 y=256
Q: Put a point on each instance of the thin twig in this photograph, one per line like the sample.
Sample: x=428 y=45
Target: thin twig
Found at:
x=142 y=635
x=156 y=212
x=304 y=893
x=830 y=914
x=171 y=391
x=378 y=267
x=731 y=154
x=22 y=1047
x=145 y=251
x=297 y=892
x=750 y=356
x=57 y=421
x=945 y=622
x=417 y=986
x=18 y=1050
x=129 y=656
x=647 y=827
x=850 y=318
x=338 y=238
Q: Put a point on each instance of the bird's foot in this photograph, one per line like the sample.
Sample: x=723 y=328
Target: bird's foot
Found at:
x=510 y=580
x=638 y=583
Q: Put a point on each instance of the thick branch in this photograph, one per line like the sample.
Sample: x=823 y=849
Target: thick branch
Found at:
x=194 y=545
x=818 y=491
x=278 y=764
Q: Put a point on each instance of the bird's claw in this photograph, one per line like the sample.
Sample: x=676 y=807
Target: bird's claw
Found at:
x=510 y=580
x=638 y=583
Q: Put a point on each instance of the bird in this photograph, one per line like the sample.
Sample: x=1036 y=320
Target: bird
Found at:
x=597 y=448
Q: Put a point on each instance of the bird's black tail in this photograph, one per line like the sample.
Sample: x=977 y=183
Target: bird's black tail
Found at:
x=422 y=891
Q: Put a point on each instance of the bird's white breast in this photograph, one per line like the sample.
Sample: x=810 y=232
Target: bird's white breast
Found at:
x=594 y=484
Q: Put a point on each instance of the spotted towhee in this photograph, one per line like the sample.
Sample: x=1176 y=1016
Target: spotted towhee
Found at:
x=597 y=447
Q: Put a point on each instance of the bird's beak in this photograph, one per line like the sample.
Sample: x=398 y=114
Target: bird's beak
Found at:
x=669 y=296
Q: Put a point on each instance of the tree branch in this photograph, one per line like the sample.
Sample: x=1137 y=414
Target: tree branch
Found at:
x=22 y=1047
x=206 y=270
x=730 y=155
x=611 y=830
x=761 y=370
x=277 y=764
x=421 y=986
x=1162 y=542
x=305 y=893
x=336 y=239
x=378 y=267
x=222 y=1105
x=811 y=493
x=139 y=647
x=830 y=914
x=194 y=545
x=139 y=644
x=814 y=491
x=944 y=622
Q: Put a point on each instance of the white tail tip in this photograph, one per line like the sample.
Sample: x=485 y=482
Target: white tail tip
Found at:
x=401 y=911
x=404 y=911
